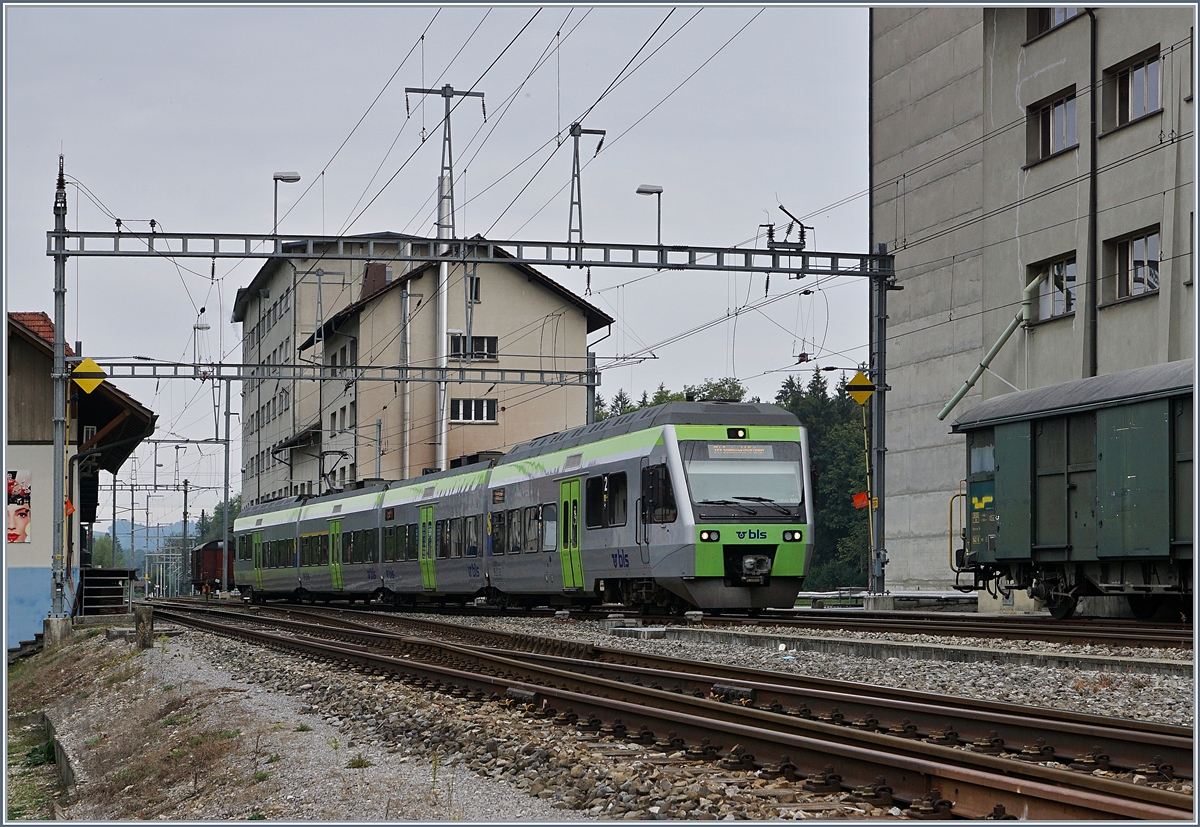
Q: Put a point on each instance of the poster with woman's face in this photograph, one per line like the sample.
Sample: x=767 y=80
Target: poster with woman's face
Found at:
x=20 y=488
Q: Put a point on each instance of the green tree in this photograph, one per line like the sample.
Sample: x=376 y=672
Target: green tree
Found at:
x=102 y=552
x=840 y=533
x=662 y=396
x=728 y=389
x=212 y=530
x=600 y=409
x=621 y=404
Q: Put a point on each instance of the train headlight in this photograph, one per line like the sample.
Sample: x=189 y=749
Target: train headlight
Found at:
x=710 y=536
x=792 y=536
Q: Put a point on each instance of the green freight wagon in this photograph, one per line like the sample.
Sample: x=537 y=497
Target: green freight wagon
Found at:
x=1084 y=489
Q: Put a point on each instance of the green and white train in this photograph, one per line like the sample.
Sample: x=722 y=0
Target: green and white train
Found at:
x=685 y=505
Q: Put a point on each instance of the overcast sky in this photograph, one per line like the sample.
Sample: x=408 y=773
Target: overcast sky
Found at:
x=181 y=115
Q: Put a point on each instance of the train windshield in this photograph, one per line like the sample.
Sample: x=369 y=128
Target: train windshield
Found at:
x=743 y=472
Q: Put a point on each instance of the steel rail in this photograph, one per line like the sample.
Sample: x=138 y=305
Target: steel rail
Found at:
x=1029 y=789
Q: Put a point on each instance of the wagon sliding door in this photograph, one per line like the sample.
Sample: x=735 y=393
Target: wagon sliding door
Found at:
x=572 y=568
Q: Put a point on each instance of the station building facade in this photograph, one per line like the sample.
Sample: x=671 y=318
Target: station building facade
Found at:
x=306 y=436
x=103 y=429
x=1005 y=144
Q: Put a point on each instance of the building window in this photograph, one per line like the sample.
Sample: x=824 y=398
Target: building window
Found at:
x=1051 y=126
x=1137 y=264
x=482 y=347
x=473 y=287
x=1137 y=90
x=1043 y=20
x=472 y=410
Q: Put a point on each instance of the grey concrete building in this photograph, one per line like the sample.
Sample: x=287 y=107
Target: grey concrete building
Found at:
x=1006 y=144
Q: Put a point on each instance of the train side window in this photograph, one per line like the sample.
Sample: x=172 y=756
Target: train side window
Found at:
x=549 y=517
x=516 y=532
x=566 y=524
x=303 y=551
x=471 y=535
x=658 y=497
x=616 y=500
x=348 y=547
x=370 y=544
x=498 y=532
x=594 y=497
x=295 y=560
x=983 y=452
x=323 y=550
x=456 y=538
x=531 y=528
x=411 y=541
x=389 y=544
x=441 y=546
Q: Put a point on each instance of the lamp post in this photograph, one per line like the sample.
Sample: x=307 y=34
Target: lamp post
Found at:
x=287 y=178
x=654 y=189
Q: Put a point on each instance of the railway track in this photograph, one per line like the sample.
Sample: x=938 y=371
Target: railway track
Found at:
x=730 y=723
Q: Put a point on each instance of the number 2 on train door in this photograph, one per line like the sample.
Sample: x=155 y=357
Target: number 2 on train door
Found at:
x=335 y=554
x=425 y=550
x=572 y=569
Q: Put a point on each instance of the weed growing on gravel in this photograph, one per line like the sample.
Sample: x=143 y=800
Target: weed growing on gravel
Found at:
x=303 y=728
x=228 y=734
x=261 y=775
x=92 y=633
x=39 y=755
x=277 y=728
x=91 y=742
x=333 y=742
x=359 y=762
x=168 y=687
x=273 y=757
x=256 y=817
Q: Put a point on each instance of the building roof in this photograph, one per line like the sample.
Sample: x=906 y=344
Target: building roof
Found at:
x=263 y=276
x=131 y=421
x=1153 y=382
x=672 y=413
x=38 y=323
x=596 y=318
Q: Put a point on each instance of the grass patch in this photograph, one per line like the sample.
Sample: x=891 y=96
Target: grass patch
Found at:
x=261 y=775
x=273 y=757
x=256 y=817
x=168 y=687
x=40 y=755
x=91 y=633
x=303 y=728
x=359 y=762
x=228 y=734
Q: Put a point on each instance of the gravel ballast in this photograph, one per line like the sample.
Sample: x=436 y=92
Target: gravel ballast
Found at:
x=305 y=741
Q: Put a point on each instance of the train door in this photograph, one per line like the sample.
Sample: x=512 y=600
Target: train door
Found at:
x=425 y=550
x=569 y=519
x=257 y=541
x=335 y=554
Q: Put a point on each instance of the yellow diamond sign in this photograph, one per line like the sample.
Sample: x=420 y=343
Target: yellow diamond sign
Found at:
x=88 y=375
x=860 y=388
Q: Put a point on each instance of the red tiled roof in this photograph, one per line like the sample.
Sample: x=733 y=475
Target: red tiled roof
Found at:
x=40 y=324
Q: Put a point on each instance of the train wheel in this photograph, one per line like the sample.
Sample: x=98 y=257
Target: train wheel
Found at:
x=1145 y=606
x=1062 y=606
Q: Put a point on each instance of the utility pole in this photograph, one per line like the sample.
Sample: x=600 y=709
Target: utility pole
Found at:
x=445 y=232
x=883 y=279
x=575 y=234
x=183 y=551
x=59 y=377
x=225 y=510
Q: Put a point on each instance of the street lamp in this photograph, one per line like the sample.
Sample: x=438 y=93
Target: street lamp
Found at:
x=654 y=189
x=287 y=178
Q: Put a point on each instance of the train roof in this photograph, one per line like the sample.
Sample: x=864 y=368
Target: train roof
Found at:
x=1153 y=382
x=672 y=413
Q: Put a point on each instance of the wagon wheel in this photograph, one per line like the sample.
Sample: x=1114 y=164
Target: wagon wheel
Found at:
x=1145 y=606
x=1062 y=606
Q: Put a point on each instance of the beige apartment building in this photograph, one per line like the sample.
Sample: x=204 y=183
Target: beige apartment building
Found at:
x=308 y=436
x=1008 y=143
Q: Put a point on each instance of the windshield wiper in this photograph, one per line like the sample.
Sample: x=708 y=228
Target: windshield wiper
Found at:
x=767 y=501
x=748 y=509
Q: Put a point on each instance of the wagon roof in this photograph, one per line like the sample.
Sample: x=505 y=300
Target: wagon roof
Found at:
x=672 y=413
x=1156 y=381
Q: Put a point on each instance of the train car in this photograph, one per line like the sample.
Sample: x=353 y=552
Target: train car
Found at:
x=1084 y=489
x=689 y=504
x=206 y=565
